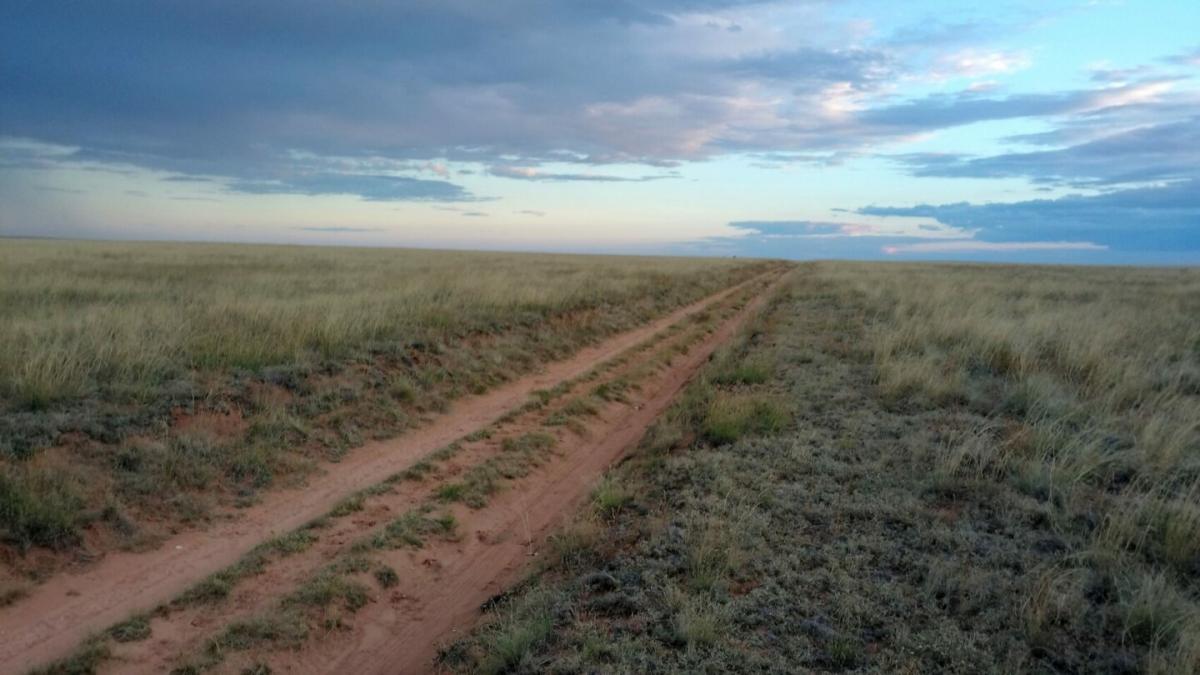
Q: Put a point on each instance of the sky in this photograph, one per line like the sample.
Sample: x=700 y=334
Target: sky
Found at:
x=1025 y=131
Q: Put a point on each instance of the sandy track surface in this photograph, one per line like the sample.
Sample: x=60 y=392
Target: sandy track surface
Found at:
x=446 y=584
x=444 y=580
x=56 y=616
x=444 y=596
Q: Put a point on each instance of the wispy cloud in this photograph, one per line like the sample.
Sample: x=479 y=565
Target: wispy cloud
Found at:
x=52 y=188
x=1154 y=152
x=1151 y=219
x=368 y=187
x=973 y=62
x=536 y=174
x=971 y=246
x=1188 y=58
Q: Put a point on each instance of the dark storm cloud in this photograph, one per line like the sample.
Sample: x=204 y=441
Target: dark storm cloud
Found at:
x=227 y=89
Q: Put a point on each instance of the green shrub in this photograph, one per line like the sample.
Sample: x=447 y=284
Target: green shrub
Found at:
x=386 y=576
x=750 y=371
x=39 y=508
x=730 y=417
x=132 y=630
x=530 y=442
x=610 y=497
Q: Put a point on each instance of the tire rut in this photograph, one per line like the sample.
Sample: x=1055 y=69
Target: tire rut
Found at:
x=444 y=583
x=175 y=633
x=63 y=612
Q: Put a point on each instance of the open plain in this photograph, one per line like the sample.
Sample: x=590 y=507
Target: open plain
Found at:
x=760 y=466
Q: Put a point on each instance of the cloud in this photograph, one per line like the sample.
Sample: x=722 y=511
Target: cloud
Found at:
x=972 y=62
x=778 y=229
x=1104 y=73
x=370 y=188
x=338 y=228
x=857 y=225
x=1150 y=219
x=536 y=174
x=1155 y=152
x=811 y=67
x=242 y=91
x=229 y=89
x=51 y=188
x=27 y=153
x=951 y=110
x=971 y=246
x=188 y=179
x=1188 y=58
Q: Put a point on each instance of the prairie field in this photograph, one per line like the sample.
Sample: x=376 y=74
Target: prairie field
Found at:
x=285 y=356
x=120 y=319
x=899 y=468
x=764 y=467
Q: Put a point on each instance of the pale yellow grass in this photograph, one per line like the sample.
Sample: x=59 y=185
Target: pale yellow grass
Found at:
x=82 y=314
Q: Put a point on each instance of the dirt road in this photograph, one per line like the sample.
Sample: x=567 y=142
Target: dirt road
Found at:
x=402 y=633
x=57 y=616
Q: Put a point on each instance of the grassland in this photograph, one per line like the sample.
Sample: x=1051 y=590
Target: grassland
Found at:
x=142 y=384
x=900 y=468
x=266 y=606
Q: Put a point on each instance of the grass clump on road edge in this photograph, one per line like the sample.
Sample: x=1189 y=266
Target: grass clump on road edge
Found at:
x=732 y=416
x=610 y=496
x=39 y=508
x=86 y=659
x=386 y=576
x=131 y=630
x=519 y=455
x=217 y=586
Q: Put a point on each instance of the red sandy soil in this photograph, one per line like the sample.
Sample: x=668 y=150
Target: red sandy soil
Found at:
x=57 y=616
x=445 y=583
